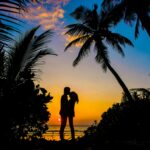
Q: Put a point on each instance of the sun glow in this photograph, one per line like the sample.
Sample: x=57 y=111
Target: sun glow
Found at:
x=59 y=119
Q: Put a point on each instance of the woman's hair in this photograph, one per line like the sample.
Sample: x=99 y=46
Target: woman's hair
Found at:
x=74 y=96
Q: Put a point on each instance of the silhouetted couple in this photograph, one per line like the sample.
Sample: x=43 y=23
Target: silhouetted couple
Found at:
x=68 y=100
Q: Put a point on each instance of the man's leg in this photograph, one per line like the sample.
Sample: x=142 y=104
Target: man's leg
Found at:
x=62 y=127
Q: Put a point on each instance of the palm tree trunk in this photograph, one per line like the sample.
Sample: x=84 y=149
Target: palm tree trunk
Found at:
x=122 y=84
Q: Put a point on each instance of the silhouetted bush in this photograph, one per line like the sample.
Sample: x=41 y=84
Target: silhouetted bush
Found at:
x=125 y=122
x=24 y=111
x=125 y=125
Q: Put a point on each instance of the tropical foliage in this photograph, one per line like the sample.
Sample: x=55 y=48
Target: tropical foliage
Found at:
x=125 y=123
x=9 y=23
x=131 y=10
x=23 y=103
x=27 y=112
x=94 y=28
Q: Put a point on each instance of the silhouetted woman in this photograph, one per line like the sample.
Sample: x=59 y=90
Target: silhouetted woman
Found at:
x=71 y=113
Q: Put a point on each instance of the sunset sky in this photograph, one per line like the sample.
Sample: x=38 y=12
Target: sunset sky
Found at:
x=97 y=90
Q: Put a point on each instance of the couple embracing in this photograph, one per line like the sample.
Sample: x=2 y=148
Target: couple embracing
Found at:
x=68 y=100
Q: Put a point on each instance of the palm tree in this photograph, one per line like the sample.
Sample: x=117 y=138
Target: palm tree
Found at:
x=18 y=69
x=132 y=10
x=24 y=56
x=94 y=28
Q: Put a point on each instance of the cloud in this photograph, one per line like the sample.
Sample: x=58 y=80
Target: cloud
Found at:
x=49 y=13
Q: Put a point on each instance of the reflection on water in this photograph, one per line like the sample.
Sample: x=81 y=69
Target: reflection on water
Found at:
x=53 y=132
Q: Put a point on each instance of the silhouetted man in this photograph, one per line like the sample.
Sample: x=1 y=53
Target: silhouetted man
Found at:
x=64 y=111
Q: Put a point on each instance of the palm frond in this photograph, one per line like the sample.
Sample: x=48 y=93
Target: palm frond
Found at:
x=81 y=13
x=35 y=48
x=7 y=9
x=78 y=29
x=84 y=50
x=137 y=28
x=6 y=35
x=86 y=16
x=16 y=5
x=6 y=38
x=129 y=16
x=41 y=40
x=78 y=40
x=7 y=5
x=36 y=60
x=132 y=11
x=115 y=43
x=8 y=27
x=111 y=17
x=19 y=53
x=144 y=17
x=107 y=4
x=116 y=46
x=118 y=38
x=9 y=19
x=5 y=32
x=102 y=54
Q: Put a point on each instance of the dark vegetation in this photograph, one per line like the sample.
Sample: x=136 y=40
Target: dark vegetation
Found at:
x=24 y=113
x=125 y=125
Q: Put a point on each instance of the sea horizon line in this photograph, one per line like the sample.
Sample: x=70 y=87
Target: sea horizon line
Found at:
x=68 y=125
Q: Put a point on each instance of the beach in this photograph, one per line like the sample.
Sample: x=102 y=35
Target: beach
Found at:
x=53 y=132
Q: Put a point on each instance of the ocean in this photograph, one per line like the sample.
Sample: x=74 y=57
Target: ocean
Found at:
x=53 y=132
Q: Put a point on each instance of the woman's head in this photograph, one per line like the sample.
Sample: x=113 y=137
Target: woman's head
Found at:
x=74 y=96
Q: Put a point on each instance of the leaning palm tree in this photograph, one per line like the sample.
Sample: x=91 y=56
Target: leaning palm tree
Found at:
x=132 y=10
x=94 y=28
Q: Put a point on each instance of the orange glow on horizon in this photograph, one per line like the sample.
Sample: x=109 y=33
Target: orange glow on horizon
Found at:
x=97 y=90
x=88 y=109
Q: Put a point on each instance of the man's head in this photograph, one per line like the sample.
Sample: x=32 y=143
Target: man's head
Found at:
x=66 y=90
